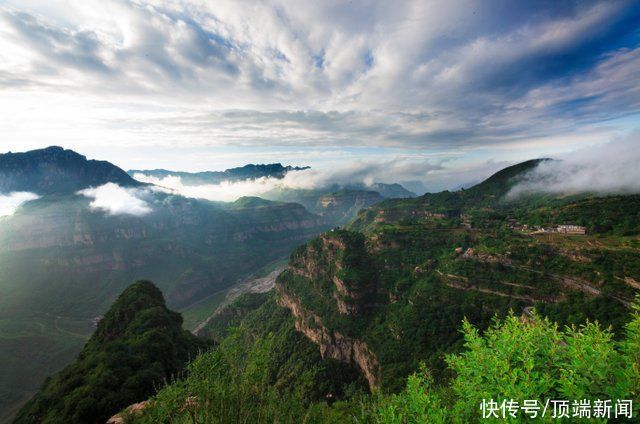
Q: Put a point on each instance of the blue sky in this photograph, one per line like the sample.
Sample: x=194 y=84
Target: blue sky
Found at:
x=460 y=87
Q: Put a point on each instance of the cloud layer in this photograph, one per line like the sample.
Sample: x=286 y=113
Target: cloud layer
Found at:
x=610 y=168
x=359 y=172
x=115 y=200
x=9 y=203
x=409 y=74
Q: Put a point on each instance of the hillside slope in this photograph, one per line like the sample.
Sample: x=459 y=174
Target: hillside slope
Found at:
x=391 y=292
x=138 y=345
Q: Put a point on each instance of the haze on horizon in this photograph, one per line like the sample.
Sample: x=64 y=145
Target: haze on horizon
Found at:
x=441 y=93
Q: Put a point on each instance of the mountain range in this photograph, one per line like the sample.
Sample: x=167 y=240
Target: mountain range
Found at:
x=406 y=291
x=247 y=172
x=358 y=309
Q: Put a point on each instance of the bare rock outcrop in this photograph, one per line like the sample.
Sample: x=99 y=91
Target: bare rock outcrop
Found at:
x=332 y=344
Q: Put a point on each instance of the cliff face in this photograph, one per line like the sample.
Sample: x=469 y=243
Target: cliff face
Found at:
x=190 y=248
x=58 y=257
x=343 y=266
x=334 y=271
x=332 y=344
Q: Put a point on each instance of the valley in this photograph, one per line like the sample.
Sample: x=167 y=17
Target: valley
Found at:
x=61 y=257
x=372 y=288
x=384 y=297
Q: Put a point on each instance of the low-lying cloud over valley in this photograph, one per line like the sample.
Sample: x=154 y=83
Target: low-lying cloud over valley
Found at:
x=360 y=172
x=9 y=203
x=116 y=200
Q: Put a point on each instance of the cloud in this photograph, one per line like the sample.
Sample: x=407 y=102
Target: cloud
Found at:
x=411 y=74
x=116 y=200
x=9 y=203
x=226 y=191
x=609 y=168
x=358 y=172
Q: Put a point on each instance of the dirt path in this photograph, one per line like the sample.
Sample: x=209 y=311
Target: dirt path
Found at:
x=250 y=285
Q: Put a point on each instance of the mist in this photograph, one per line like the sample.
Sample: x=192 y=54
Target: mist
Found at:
x=9 y=203
x=609 y=168
x=360 y=172
x=116 y=200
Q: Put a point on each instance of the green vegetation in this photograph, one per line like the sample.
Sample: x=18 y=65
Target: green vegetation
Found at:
x=263 y=371
x=232 y=315
x=401 y=280
x=361 y=309
x=138 y=345
x=514 y=359
x=60 y=258
x=198 y=312
x=523 y=360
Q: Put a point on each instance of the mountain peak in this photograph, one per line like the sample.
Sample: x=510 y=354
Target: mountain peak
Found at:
x=56 y=170
x=501 y=182
x=139 y=343
x=135 y=298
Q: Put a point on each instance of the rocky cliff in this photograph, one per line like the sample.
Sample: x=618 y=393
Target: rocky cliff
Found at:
x=332 y=274
x=332 y=344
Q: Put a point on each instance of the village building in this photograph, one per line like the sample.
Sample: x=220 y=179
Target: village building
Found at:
x=571 y=229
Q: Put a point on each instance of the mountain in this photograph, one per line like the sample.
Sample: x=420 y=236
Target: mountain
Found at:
x=247 y=172
x=138 y=345
x=390 y=191
x=63 y=262
x=56 y=170
x=337 y=206
x=393 y=289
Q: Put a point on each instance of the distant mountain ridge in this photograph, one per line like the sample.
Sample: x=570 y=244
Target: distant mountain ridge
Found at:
x=57 y=170
x=247 y=172
x=273 y=170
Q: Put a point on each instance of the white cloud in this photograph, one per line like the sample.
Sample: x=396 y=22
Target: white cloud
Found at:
x=226 y=191
x=116 y=200
x=413 y=74
x=608 y=168
x=357 y=172
x=9 y=203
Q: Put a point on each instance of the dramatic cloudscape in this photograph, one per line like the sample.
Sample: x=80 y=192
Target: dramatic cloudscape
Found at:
x=459 y=87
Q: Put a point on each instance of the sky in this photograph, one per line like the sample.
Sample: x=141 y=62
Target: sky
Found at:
x=443 y=93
